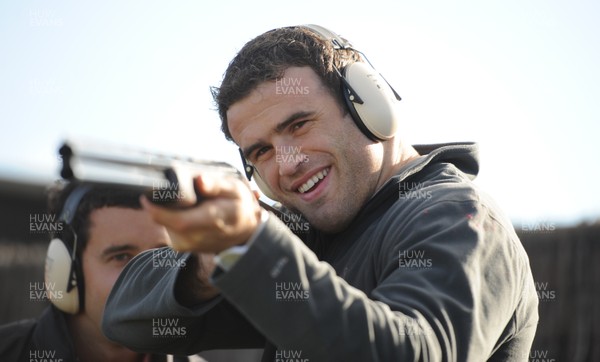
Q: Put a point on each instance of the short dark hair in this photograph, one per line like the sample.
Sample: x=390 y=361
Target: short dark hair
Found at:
x=96 y=198
x=266 y=58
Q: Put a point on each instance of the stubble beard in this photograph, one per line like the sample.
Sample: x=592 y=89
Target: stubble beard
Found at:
x=333 y=214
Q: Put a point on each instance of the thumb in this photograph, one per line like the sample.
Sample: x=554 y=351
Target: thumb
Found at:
x=211 y=186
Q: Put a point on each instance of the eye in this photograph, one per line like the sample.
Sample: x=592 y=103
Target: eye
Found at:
x=260 y=152
x=121 y=257
x=296 y=126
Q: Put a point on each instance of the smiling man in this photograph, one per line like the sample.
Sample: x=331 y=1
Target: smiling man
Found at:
x=342 y=162
x=405 y=258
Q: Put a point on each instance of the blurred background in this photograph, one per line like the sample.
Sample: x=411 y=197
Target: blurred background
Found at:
x=521 y=78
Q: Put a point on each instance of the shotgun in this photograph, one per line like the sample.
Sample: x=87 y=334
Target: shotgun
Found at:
x=166 y=180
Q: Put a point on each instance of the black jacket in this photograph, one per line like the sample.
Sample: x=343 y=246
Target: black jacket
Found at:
x=430 y=270
x=46 y=339
x=35 y=340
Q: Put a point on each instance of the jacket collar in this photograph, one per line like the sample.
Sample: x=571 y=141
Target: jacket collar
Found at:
x=462 y=155
x=465 y=156
x=52 y=335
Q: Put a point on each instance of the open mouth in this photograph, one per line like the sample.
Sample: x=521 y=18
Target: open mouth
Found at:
x=313 y=181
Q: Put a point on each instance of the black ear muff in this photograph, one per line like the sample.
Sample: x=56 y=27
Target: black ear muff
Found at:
x=63 y=272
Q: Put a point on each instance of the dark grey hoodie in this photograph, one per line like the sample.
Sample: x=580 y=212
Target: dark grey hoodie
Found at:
x=430 y=270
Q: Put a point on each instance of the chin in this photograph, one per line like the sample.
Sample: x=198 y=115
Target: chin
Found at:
x=327 y=224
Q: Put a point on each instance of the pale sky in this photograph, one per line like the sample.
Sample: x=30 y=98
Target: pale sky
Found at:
x=521 y=78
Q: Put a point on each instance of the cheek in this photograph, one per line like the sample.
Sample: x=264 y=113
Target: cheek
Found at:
x=99 y=280
x=271 y=176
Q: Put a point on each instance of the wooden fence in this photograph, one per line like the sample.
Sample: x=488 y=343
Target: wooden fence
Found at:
x=565 y=264
x=566 y=267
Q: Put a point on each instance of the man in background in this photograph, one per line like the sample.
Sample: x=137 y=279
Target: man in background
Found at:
x=101 y=230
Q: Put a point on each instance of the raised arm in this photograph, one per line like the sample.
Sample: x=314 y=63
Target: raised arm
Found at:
x=144 y=312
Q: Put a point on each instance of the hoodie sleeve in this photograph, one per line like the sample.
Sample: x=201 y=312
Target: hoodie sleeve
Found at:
x=454 y=307
x=143 y=313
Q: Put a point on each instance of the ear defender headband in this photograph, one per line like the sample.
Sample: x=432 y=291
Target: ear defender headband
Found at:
x=369 y=98
x=63 y=270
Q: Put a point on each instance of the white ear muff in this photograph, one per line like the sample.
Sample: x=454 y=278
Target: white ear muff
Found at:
x=58 y=276
x=250 y=171
x=378 y=111
x=262 y=185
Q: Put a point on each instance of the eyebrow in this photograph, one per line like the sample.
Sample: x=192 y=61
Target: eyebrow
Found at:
x=278 y=129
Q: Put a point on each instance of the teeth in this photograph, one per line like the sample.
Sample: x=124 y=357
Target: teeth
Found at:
x=311 y=182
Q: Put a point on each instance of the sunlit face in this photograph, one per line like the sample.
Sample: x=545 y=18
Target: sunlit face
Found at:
x=313 y=157
x=116 y=235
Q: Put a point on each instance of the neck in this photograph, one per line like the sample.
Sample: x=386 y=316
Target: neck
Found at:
x=400 y=153
x=91 y=345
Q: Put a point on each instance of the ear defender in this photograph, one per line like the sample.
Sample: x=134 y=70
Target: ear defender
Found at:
x=59 y=275
x=370 y=99
x=250 y=171
x=262 y=185
x=62 y=272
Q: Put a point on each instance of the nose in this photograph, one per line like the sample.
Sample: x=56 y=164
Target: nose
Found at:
x=289 y=159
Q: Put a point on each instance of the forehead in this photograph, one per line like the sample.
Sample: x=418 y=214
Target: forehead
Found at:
x=271 y=102
x=114 y=225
